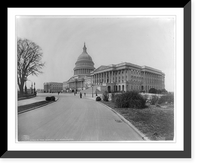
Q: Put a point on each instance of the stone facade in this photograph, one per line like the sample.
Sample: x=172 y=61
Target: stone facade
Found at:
x=53 y=87
x=128 y=77
x=82 y=77
x=113 y=78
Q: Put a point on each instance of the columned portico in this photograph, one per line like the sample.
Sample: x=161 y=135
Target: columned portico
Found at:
x=127 y=77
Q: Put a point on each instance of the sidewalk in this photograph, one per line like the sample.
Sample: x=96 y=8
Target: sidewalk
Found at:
x=31 y=104
x=32 y=100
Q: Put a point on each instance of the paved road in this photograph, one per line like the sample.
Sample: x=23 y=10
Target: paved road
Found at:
x=74 y=119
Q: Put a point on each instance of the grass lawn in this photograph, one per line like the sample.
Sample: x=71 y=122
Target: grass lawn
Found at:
x=156 y=123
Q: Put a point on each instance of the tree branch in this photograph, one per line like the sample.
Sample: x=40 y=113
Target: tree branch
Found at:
x=29 y=57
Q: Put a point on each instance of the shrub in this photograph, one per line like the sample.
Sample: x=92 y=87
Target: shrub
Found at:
x=154 y=100
x=130 y=100
x=169 y=98
x=105 y=96
x=98 y=98
x=137 y=103
x=112 y=97
x=152 y=90
x=164 y=91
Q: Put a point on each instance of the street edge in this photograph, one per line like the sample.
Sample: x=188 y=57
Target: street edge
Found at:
x=38 y=106
x=127 y=122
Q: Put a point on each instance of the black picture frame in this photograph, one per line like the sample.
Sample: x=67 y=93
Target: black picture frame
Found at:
x=186 y=153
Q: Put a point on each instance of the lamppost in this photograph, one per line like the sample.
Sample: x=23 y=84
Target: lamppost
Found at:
x=92 y=89
x=31 y=85
x=25 y=88
x=76 y=85
x=34 y=88
x=82 y=83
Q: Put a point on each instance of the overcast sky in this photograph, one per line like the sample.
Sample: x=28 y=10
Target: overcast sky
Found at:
x=110 y=40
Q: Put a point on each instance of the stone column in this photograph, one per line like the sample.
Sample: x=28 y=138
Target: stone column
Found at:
x=106 y=76
x=110 y=76
x=101 y=78
x=98 y=79
x=113 y=76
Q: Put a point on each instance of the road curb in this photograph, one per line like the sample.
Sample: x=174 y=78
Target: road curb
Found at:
x=33 y=108
x=129 y=124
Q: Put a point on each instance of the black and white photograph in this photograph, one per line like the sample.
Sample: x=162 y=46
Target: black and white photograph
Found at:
x=98 y=83
x=96 y=78
x=101 y=86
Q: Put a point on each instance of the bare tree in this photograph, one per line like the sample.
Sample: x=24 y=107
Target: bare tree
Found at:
x=29 y=56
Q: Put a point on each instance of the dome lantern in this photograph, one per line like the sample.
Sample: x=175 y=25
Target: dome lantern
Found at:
x=84 y=48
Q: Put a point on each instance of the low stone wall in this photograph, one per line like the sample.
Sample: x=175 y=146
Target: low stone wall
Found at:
x=150 y=95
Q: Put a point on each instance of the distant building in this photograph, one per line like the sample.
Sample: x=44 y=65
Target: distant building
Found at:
x=40 y=90
x=53 y=87
x=113 y=78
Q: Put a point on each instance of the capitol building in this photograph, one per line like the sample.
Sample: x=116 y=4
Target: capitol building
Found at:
x=113 y=78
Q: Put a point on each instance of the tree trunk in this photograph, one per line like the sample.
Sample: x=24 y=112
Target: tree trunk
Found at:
x=21 y=86
x=21 y=89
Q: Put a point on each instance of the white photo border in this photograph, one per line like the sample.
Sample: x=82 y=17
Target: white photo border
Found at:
x=178 y=145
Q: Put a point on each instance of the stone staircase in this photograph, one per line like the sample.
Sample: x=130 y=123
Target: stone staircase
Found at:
x=95 y=89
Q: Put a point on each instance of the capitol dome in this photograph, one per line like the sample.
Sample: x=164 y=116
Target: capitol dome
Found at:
x=84 y=63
